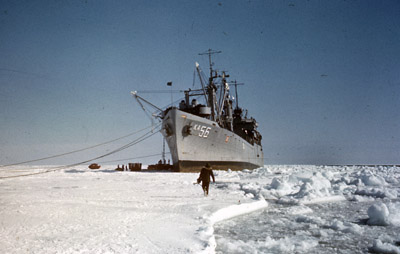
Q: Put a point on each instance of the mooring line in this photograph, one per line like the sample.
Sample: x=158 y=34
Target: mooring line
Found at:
x=75 y=151
x=136 y=141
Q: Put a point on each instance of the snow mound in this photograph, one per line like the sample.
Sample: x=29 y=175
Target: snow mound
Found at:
x=384 y=215
x=316 y=186
x=372 y=180
x=280 y=187
x=378 y=215
x=289 y=245
x=346 y=227
x=394 y=214
x=380 y=247
x=336 y=225
x=376 y=193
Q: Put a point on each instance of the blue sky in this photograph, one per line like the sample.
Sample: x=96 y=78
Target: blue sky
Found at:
x=321 y=77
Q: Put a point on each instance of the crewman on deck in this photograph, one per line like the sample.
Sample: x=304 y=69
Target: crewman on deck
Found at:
x=204 y=177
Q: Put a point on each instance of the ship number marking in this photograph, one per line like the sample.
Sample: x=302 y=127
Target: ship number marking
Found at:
x=204 y=130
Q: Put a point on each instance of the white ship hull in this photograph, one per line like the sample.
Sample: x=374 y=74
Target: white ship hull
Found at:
x=193 y=141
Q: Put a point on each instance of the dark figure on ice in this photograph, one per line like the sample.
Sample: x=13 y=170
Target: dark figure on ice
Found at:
x=204 y=177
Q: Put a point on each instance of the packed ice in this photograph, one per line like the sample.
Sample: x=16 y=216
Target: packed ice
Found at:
x=317 y=209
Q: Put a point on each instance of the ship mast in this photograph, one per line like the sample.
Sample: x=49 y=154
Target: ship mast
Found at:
x=212 y=88
x=235 y=83
x=210 y=52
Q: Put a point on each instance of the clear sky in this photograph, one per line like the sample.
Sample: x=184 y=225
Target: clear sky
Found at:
x=322 y=78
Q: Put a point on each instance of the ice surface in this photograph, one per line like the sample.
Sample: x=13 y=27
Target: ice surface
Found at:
x=328 y=208
x=275 y=209
x=106 y=211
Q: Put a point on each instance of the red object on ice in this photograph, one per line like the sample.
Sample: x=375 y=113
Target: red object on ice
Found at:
x=94 y=166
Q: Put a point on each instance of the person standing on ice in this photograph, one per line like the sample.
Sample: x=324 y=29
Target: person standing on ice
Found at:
x=204 y=177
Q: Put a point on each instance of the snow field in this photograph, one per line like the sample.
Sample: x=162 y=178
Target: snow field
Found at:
x=104 y=211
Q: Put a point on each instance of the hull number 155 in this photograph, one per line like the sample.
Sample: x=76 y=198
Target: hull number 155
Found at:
x=204 y=131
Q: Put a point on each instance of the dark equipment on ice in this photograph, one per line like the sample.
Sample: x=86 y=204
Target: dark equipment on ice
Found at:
x=130 y=167
x=161 y=165
x=94 y=166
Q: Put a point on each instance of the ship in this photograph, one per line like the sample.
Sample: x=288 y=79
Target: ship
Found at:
x=207 y=127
